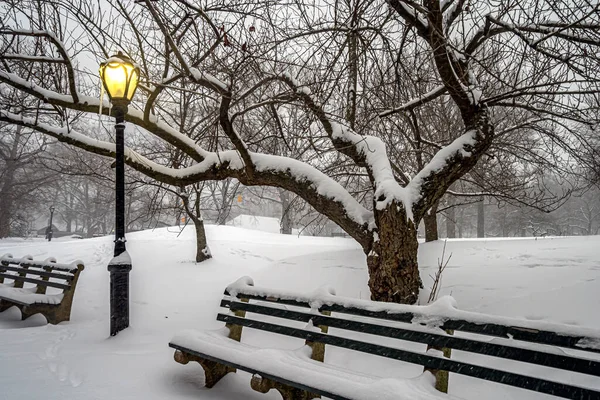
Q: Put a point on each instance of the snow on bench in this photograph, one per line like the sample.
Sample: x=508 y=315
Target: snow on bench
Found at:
x=28 y=295
x=519 y=340
x=56 y=307
x=439 y=314
x=297 y=366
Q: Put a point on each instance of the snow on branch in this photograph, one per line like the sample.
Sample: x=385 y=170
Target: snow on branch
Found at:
x=366 y=151
x=25 y=57
x=459 y=149
x=320 y=190
x=414 y=103
x=387 y=188
x=91 y=104
x=412 y=13
x=208 y=79
x=60 y=47
x=69 y=136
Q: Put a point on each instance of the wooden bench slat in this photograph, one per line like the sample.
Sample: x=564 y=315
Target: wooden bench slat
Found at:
x=254 y=371
x=564 y=362
x=36 y=264
x=37 y=272
x=36 y=281
x=517 y=333
x=430 y=362
x=62 y=267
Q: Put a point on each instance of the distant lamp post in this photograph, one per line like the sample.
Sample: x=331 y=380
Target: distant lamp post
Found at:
x=120 y=77
x=49 y=229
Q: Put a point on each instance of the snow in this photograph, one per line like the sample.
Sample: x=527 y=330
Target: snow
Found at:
x=32 y=58
x=264 y=224
x=589 y=343
x=440 y=160
x=432 y=315
x=297 y=366
x=28 y=295
x=545 y=281
x=416 y=101
x=204 y=76
x=375 y=153
x=122 y=259
x=48 y=262
x=322 y=183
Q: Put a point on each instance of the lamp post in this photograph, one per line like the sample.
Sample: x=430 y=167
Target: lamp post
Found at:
x=119 y=76
x=49 y=230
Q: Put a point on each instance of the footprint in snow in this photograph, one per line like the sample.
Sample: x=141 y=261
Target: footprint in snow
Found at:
x=75 y=379
x=63 y=372
x=52 y=367
x=60 y=369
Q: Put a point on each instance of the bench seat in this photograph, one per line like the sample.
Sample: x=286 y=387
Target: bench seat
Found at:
x=28 y=296
x=296 y=368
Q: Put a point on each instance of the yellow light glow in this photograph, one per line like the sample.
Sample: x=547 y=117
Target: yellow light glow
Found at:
x=120 y=77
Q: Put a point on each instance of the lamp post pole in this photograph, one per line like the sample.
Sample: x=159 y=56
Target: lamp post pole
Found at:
x=119 y=109
x=120 y=266
x=120 y=78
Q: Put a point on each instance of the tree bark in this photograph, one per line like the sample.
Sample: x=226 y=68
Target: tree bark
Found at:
x=431 y=225
x=202 y=250
x=286 y=213
x=481 y=219
x=392 y=260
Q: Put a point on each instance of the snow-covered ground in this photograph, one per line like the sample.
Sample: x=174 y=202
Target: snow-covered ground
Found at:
x=554 y=279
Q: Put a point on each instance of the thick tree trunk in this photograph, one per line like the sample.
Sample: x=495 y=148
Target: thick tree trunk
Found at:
x=202 y=250
x=286 y=213
x=480 y=219
x=392 y=260
x=431 y=226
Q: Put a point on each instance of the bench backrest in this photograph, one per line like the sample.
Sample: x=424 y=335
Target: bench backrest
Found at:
x=43 y=274
x=523 y=340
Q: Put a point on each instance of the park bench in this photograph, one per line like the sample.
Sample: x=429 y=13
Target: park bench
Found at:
x=440 y=325
x=24 y=283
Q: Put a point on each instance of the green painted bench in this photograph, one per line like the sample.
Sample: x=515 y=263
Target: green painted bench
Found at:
x=439 y=326
x=24 y=284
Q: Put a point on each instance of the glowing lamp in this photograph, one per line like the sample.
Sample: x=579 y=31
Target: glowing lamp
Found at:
x=120 y=77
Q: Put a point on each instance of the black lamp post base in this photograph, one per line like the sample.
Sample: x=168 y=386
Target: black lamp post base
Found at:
x=119 y=268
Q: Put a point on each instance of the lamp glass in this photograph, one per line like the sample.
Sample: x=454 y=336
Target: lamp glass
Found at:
x=120 y=77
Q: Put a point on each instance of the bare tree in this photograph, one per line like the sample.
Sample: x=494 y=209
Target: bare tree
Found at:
x=372 y=187
x=21 y=178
